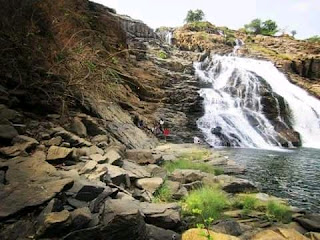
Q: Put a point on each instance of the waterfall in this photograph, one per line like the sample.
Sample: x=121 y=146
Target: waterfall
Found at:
x=168 y=37
x=250 y=103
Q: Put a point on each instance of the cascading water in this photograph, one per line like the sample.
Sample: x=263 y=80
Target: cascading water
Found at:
x=168 y=37
x=250 y=103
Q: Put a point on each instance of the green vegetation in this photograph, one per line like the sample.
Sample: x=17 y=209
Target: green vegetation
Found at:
x=279 y=212
x=163 y=194
x=293 y=33
x=162 y=55
x=249 y=203
x=314 y=39
x=194 y=16
x=201 y=27
x=270 y=52
x=208 y=200
x=256 y=26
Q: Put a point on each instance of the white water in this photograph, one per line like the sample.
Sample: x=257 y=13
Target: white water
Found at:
x=168 y=37
x=235 y=94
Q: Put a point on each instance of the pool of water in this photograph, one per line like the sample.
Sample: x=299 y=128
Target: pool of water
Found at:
x=291 y=174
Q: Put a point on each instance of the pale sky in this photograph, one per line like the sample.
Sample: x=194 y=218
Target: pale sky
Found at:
x=300 y=15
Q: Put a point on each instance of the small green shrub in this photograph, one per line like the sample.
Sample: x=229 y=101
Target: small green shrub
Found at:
x=210 y=201
x=162 y=55
x=163 y=194
x=279 y=212
x=188 y=164
x=249 y=204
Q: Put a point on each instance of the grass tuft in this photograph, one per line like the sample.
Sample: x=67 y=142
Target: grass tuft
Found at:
x=279 y=212
x=210 y=201
x=163 y=194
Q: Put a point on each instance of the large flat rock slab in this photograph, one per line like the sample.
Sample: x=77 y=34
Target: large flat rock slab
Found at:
x=31 y=181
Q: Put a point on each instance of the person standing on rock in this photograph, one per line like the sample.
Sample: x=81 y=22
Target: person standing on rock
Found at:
x=161 y=124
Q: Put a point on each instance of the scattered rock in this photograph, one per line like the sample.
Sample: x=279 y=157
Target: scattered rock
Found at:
x=74 y=203
x=156 y=233
x=71 y=138
x=58 y=153
x=98 y=158
x=156 y=171
x=81 y=218
x=186 y=175
x=237 y=185
x=193 y=185
x=149 y=184
x=90 y=165
x=77 y=127
x=99 y=201
x=22 y=146
x=86 y=191
x=118 y=175
x=100 y=138
x=31 y=181
x=7 y=132
x=114 y=158
x=310 y=222
x=9 y=114
x=135 y=171
x=144 y=156
x=197 y=234
x=56 y=141
x=279 y=234
x=229 y=227
x=93 y=127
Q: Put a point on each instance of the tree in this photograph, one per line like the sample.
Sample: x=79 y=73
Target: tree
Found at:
x=293 y=33
x=267 y=27
x=194 y=16
x=314 y=39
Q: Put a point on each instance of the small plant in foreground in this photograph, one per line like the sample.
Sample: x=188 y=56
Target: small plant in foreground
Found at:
x=163 y=194
x=206 y=222
x=249 y=204
x=162 y=55
x=211 y=201
x=279 y=212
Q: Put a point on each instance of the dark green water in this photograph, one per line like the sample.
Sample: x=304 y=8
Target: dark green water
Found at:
x=292 y=174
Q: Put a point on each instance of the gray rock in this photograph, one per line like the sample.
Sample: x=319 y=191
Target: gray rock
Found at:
x=186 y=176
x=55 y=205
x=31 y=181
x=229 y=227
x=78 y=128
x=135 y=171
x=118 y=175
x=100 y=138
x=77 y=203
x=96 y=204
x=58 y=153
x=144 y=156
x=193 y=185
x=98 y=158
x=156 y=171
x=156 y=233
x=71 y=138
x=7 y=132
x=311 y=222
x=93 y=127
x=88 y=192
x=80 y=218
x=9 y=114
x=238 y=185
x=114 y=157
x=149 y=184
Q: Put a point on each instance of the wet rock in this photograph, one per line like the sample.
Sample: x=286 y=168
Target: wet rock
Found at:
x=78 y=128
x=56 y=154
x=55 y=224
x=80 y=218
x=310 y=222
x=7 y=132
x=31 y=181
x=186 y=176
x=144 y=156
x=135 y=171
x=88 y=167
x=149 y=184
x=196 y=234
x=229 y=227
x=156 y=233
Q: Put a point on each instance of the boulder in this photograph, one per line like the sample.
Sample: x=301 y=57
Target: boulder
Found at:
x=310 y=222
x=7 y=132
x=161 y=215
x=186 y=175
x=156 y=233
x=80 y=218
x=99 y=139
x=78 y=128
x=237 y=185
x=96 y=204
x=93 y=127
x=144 y=156
x=114 y=157
x=193 y=185
x=313 y=235
x=54 y=224
x=22 y=145
x=118 y=175
x=149 y=184
x=58 y=153
x=56 y=141
x=31 y=181
x=86 y=191
x=71 y=138
x=98 y=158
x=229 y=227
x=135 y=171
x=9 y=114
x=156 y=171
x=88 y=167
x=197 y=234
x=74 y=203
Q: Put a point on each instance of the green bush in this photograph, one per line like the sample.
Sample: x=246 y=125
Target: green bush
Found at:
x=279 y=212
x=208 y=200
x=314 y=39
x=194 y=16
x=256 y=26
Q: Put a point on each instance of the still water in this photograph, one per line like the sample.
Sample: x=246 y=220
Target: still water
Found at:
x=291 y=174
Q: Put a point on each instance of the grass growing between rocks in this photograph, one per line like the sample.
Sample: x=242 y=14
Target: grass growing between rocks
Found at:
x=163 y=194
x=210 y=201
x=193 y=161
x=279 y=212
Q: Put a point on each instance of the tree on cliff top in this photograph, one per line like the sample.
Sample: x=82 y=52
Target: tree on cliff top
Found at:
x=256 y=26
x=194 y=16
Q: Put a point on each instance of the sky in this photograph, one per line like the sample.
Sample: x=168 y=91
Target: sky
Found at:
x=300 y=15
